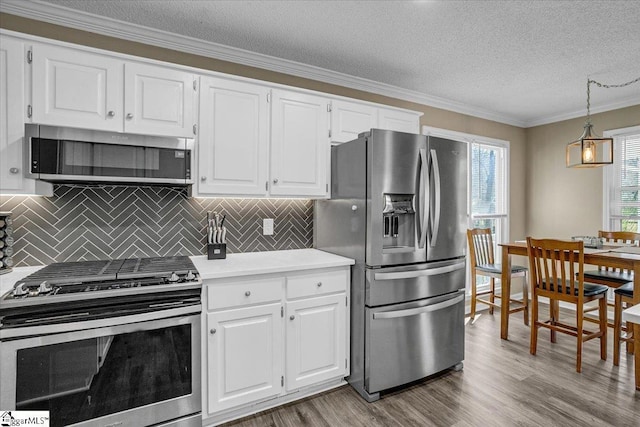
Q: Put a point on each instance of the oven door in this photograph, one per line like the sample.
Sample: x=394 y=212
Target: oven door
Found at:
x=120 y=371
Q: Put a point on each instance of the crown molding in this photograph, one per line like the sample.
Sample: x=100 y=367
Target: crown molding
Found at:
x=628 y=102
x=46 y=12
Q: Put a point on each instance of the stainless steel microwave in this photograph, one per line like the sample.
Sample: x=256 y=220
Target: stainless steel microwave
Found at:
x=59 y=154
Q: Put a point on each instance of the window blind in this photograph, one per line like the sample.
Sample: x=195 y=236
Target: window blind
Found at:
x=624 y=186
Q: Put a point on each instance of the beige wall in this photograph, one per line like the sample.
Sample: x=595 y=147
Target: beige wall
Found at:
x=563 y=201
x=432 y=116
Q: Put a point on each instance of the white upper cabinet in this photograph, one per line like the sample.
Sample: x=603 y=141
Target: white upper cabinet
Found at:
x=403 y=121
x=12 y=113
x=349 y=119
x=92 y=91
x=158 y=101
x=77 y=89
x=299 y=144
x=233 y=137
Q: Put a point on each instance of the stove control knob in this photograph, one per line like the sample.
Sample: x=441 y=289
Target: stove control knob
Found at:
x=44 y=287
x=190 y=276
x=20 y=289
x=174 y=277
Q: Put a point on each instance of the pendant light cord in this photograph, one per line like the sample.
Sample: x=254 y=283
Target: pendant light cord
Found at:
x=589 y=81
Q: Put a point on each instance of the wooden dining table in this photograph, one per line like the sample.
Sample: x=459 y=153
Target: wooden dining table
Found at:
x=622 y=260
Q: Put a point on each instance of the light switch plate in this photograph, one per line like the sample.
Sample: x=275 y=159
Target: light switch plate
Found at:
x=267 y=226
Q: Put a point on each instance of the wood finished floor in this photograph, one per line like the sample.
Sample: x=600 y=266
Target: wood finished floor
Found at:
x=501 y=385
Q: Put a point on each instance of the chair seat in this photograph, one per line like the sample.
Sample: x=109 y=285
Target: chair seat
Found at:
x=497 y=268
x=590 y=289
x=625 y=290
x=611 y=276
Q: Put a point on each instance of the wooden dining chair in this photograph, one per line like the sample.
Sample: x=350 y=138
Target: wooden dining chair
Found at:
x=483 y=264
x=552 y=266
x=622 y=281
x=623 y=299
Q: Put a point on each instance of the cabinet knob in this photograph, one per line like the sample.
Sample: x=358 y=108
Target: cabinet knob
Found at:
x=14 y=171
x=292 y=317
x=111 y=113
x=213 y=331
x=129 y=116
x=354 y=208
x=319 y=284
x=275 y=181
x=248 y=293
x=203 y=178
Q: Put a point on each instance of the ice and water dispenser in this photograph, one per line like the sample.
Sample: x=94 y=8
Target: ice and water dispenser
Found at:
x=398 y=229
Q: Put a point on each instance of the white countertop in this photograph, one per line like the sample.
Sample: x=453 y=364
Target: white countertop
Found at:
x=632 y=314
x=249 y=263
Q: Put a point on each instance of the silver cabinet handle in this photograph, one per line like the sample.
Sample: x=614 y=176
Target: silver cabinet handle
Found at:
x=129 y=116
x=275 y=181
x=319 y=284
x=248 y=293
x=203 y=178
x=292 y=317
x=14 y=171
x=419 y=273
x=213 y=331
x=418 y=310
x=111 y=113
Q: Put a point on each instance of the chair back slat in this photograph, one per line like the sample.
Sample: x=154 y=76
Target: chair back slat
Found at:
x=553 y=264
x=480 y=246
x=628 y=237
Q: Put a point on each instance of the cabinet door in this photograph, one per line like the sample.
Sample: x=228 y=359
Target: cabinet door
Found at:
x=349 y=119
x=299 y=144
x=233 y=138
x=158 y=101
x=76 y=89
x=12 y=118
x=315 y=348
x=244 y=356
x=399 y=121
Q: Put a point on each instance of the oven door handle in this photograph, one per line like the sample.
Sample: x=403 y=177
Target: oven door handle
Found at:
x=418 y=310
x=78 y=324
x=419 y=273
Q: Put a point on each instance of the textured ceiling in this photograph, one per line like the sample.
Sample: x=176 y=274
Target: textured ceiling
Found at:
x=525 y=61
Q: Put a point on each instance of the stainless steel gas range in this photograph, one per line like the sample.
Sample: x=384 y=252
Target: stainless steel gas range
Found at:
x=105 y=343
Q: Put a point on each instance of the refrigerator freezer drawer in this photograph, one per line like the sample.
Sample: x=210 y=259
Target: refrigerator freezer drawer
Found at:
x=407 y=342
x=408 y=283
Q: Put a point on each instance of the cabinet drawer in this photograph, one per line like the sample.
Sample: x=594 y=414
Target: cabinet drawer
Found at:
x=244 y=293
x=319 y=283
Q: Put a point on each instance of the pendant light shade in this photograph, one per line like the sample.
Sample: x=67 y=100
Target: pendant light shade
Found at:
x=589 y=150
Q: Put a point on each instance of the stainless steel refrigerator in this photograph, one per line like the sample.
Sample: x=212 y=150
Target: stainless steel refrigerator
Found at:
x=399 y=207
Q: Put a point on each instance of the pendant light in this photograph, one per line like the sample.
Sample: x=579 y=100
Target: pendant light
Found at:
x=591 y=150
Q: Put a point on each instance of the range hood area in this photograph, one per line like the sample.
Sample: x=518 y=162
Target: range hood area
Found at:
x=61 y=154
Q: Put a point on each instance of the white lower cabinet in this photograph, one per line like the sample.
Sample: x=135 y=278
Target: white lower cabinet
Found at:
x=270 y=339
x=247 y=344
x=316 y=347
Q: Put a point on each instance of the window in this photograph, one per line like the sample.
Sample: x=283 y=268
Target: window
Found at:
x=488 y=201
x=621 y=190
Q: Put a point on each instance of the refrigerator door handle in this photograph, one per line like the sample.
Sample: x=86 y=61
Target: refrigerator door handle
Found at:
x=424 y=198
x=419 y=273
x=435 y=216
x=418 y=310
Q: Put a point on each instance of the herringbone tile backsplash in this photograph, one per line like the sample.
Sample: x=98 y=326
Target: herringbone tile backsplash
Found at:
x=102 y=222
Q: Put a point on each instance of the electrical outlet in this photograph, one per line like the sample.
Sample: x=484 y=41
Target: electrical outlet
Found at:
x=267 y=226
